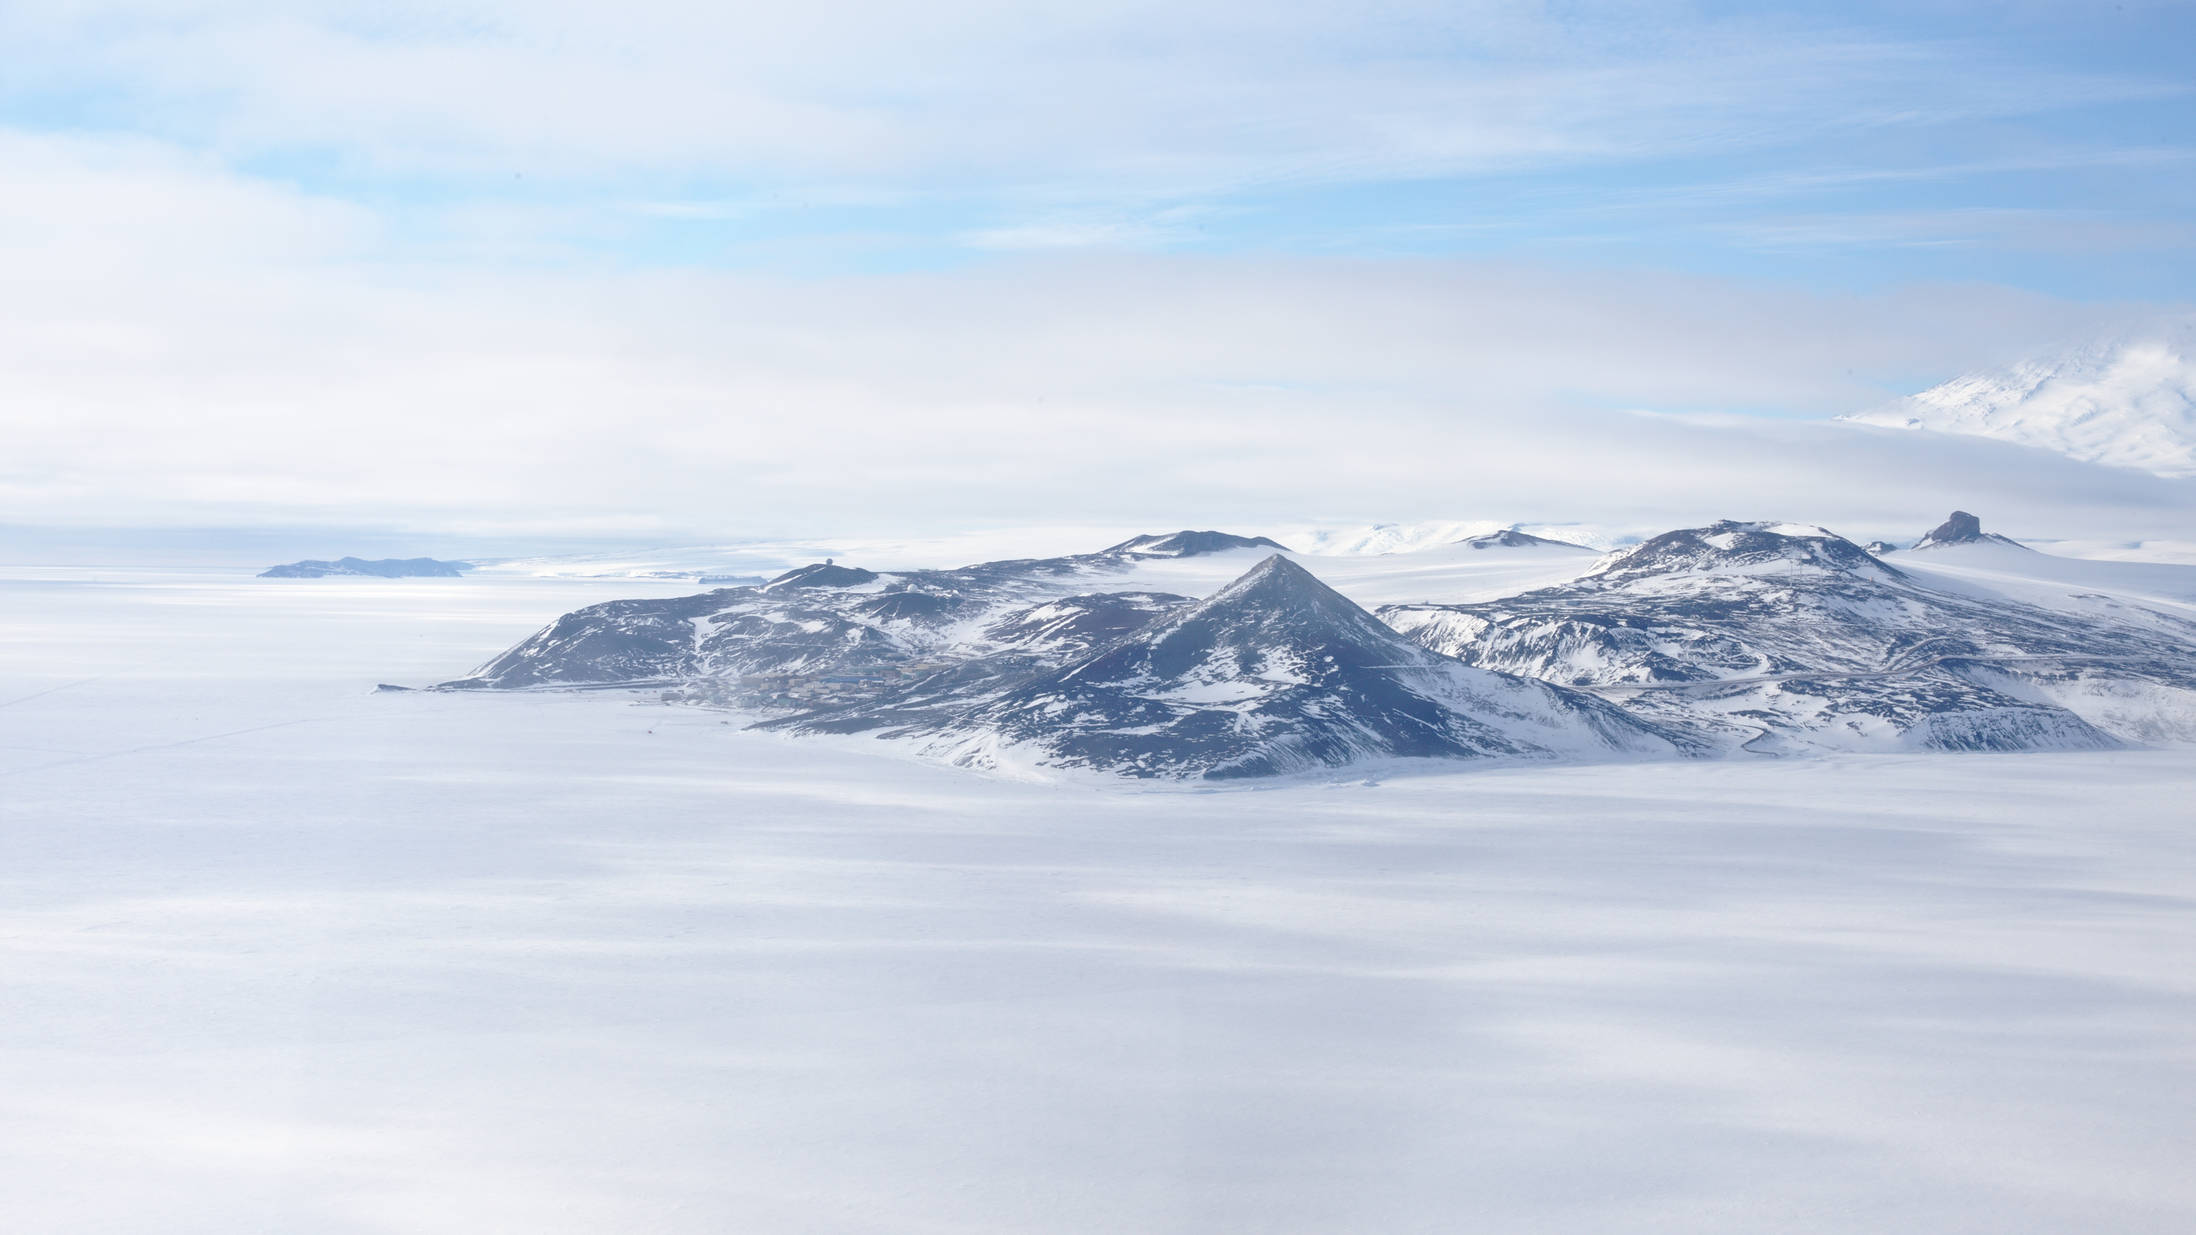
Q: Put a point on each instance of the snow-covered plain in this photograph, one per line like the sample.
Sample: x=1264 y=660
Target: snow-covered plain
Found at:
x=282 y=954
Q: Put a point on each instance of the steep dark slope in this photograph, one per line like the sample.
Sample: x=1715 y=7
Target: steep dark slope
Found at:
x=1277 y=673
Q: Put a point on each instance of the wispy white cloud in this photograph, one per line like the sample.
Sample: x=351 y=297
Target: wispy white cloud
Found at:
x=1152 y=229
x=2030 y=230
x=206 y=349
x=373 y=323
x=707 y=211
x=1121 y=96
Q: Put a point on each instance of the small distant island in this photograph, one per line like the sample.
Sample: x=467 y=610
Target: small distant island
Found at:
x=354 y=567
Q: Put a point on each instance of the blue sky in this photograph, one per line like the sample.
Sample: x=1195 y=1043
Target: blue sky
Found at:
x=226 y=207
x=2044 y=146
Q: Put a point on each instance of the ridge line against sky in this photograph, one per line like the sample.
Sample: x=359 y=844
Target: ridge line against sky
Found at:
x=701 y=269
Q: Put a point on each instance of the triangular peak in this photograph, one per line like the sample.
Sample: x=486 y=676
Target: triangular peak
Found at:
x=1276 y=578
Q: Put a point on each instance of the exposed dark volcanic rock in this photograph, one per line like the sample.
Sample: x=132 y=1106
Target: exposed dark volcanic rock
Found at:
x=1511 y=538
x=826 y=619
x=1754 y=637
x=1963 y=529
x=1279 y=673
x=1788 y=636
x=1191 y=544
x=821 y=574
x=910 y=606
x=1739 y=550
x=1074 y=625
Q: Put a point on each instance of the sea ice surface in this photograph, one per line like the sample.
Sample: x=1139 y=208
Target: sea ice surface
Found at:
x=281 y=954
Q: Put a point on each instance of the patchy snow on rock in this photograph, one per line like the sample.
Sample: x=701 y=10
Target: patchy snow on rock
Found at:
x=1745 y=637
x=1786 y=637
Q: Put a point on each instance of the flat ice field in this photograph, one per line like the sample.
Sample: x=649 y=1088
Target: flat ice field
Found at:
x=280 y=954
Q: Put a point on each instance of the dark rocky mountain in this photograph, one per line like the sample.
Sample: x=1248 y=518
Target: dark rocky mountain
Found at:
x=1762 y=637
x=385 y=568
x=1511 y=538
x=821 y=574
x=1075 y=625
x=1191 y=544
x=1963 y=528
x=1782 y=636
x=1279 y=673
x=828 y=620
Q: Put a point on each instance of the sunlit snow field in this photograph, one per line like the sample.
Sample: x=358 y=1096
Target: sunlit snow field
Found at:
x=282 y=954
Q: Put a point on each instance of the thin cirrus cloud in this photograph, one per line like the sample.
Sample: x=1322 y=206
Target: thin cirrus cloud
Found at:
x=1195 y=99
x=694 y=267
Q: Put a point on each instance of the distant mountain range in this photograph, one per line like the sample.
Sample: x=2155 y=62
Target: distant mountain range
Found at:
x=2127 y=404
x=384 y=568
x=1734 y=638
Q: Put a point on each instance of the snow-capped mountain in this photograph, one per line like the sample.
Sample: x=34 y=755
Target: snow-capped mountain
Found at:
x=828 y=619
x=1190 y=544
x=1279 y=673
x=2128 y=404
x=1512 y=538
x=1761 y=637
x=1786 y=636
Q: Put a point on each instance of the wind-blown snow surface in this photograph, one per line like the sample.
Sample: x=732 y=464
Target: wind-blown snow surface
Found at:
x=282 y=954
x=2128 y=404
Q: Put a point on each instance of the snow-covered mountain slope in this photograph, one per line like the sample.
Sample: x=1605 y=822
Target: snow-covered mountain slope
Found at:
x=2115 y=593
x=1786 y=636
x=828 y=618
x=2128 y=404
x=1279 y=673
x=1761 y=636
x=2154 y=549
